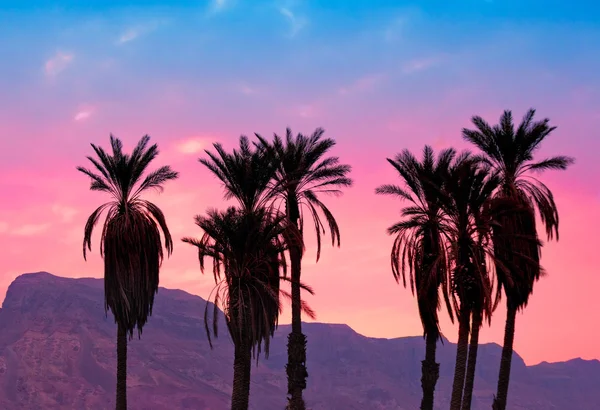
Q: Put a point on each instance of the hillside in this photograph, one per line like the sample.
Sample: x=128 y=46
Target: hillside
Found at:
x=57 y=352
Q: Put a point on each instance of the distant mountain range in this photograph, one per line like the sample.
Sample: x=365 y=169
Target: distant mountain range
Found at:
x=57 y=352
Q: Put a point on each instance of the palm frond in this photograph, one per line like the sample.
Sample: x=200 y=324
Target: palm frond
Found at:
x=130 y=241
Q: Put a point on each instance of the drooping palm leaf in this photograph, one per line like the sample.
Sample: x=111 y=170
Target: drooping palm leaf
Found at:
x=248 y=253
x=303 y=172
x=419 y=252
x=510 y=152
x=130 y=241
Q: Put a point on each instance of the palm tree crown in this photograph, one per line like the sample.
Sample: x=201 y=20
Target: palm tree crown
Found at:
x=510 y=152
x=246 y=173
x=302 y=174
x=131 y=243
x=418 y=248
x=248 y=253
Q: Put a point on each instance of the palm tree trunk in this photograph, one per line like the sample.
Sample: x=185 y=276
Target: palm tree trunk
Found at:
x=430 y=372
x=461 y=359
x=121 y=368
x=507 y=350
x=242 y=364
x=296 y=367
x=472 y=361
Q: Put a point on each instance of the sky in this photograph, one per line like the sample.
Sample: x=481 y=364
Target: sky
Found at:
x=379 y=76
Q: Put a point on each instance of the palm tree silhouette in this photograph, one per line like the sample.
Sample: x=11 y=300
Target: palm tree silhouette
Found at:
x=510 y=151
x=248 y=253
x=466 y=223
x=419 y=249
x=302 y=173
x=130 y=243
x=247 y=174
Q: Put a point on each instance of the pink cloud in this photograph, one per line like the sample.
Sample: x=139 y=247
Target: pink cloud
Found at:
x=30 y=229
x=58 y=63
x=194 y=145
x=82 y=115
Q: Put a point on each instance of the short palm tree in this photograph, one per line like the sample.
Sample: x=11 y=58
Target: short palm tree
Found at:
x=302 y=174
x=466 y=224
x=419 y=250
x=131 y=243
x=248 y=253
x=511 y=153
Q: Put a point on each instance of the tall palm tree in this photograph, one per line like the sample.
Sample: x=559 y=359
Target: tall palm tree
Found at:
x=510 y=151
x=466 y=224
x=482 y=309
x=131 y=243
x=303 y=172
x=248 y=251
x=419 y=249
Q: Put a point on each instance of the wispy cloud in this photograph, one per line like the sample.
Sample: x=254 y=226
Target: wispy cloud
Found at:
x=397 y=27
x=130 y=34
x=65 y=213
x=308 y=110
x=217 y=6
x=220 y=4
x=137 y=31
x=365 y=83
x=193 y=145
x=416 y=65
x=30 y=229
x=246 y=89
x=58 y=63
x=82 y=115
x=296 y=22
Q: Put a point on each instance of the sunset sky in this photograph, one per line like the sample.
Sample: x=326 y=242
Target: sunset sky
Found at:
x=378 y=75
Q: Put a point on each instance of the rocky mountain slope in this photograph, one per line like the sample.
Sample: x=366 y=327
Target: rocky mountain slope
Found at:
x=57 y=352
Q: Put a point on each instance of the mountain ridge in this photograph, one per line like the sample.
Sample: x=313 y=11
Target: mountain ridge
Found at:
x=57 y=351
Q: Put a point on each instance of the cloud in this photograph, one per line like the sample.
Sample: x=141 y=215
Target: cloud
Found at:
x=220 y=4
x=217 y=6
x=137 y=31
x=192 y=146
x=82 y=115
x=420 y=64
x=365 y=83
x=58 y=63
x=3 y=227
x=130 y=34
x=246 y=89
x=29 y=229
x=64 y=212
x=395 y=29
x=399 y=25
x=296 y=23
x=308 y=110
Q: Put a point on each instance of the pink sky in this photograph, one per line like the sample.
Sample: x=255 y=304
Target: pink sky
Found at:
x=133 y=76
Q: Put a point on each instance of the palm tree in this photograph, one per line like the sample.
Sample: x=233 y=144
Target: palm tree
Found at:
x=482 y=309
x=466 y=224
x=131 y=243
x=248 y=252
x=510 y=151
x=302 y=174
x=419 y=249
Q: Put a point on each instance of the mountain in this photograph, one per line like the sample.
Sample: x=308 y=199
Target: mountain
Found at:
x=57 y=351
